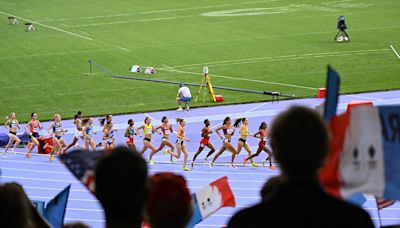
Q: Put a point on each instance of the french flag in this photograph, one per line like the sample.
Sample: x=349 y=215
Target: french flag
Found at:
x=210 y=199
x=364 y=154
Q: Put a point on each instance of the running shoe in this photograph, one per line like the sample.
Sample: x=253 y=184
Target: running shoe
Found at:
x=186 y=169
x=28 y=155
x=151 y=162
x=244 y=161
x=187 y=108
x=51 y=157
x=180 y=109
x=4 y=155
x=232 y=165
x=192 y=164
x=14 y=152
x=166 y=151
x=210 y=164
x=254 y=164
x=205 y=160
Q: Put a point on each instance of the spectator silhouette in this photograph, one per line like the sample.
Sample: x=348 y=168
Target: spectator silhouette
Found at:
x=121 y=187
x=16 y=210
x=299 y=140
x=169 y=201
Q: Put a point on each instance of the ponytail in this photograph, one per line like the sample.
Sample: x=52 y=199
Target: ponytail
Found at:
x=262 y=125
x=179 y=120
x=226 y=120
x=103 y=120
x=238 y=122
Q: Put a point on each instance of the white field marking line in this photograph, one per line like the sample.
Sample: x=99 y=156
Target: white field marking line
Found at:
x=133 y=21
x=275 y=57
x=19 y=86
x=122 y=48
x=254 y=108
x=394 y=50
x=74 y=181
x=47 y=26
x=155 y=11
x=57 y=53
x=241 y=79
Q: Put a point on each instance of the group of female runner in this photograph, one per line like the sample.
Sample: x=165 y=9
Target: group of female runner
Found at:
x=84 y=131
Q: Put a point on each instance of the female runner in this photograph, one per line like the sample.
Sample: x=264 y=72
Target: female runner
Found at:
x=130 y=133
x=205 y=141
x=166 y=129
x=180 y=143
x=148 y=131
x=262 y=135
x=226 y=145
x=108 y=136
x=56 y=130
x=32 y=128
x=11 y=125
x=78 y=134
x=87 y=133
x=244 y=133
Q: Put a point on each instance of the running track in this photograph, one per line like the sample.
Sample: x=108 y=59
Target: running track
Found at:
x=43 y=179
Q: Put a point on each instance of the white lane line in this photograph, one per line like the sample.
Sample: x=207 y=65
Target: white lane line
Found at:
x=47 y=26
x=30 y=162
x=70 y=199
x=150 y=116
x=36 y=171
x=84 y=220
x=84 y=209
x=74 y=181
x=56 y=189
x=254 y=108
x=239 y=79
x=262 y=173
x=365 y=97
x=394 y=50
x=19 y=86
x=284 y=57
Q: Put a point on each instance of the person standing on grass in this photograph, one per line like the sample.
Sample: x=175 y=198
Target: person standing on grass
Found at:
x=300 y=141
x=183 y=96
x=32 y=128
x=205 y=142
x=12 y=125
x=180 y=143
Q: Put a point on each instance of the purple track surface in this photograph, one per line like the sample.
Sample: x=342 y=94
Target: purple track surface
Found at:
x=43 y=179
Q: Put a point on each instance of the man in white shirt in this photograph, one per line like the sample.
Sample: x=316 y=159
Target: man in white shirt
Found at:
x=184 y=96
